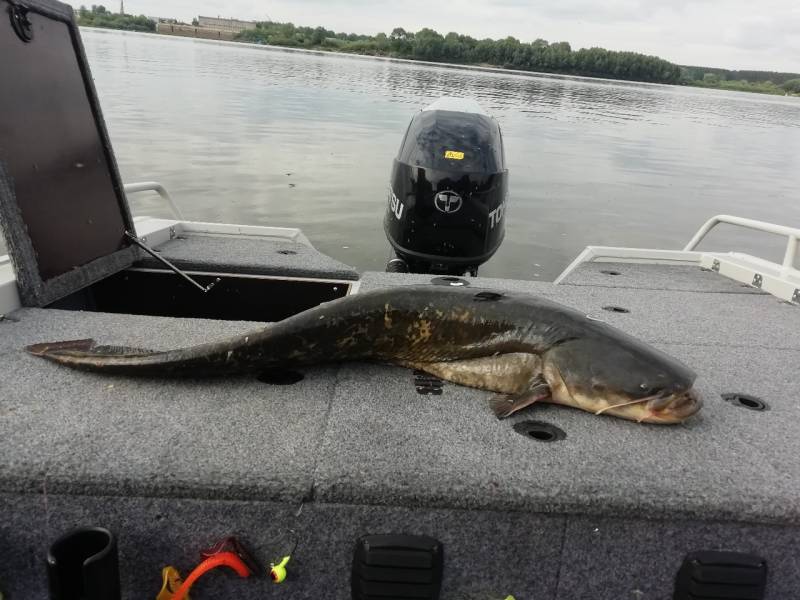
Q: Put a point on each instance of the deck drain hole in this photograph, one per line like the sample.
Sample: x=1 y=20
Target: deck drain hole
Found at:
x=540 y=431
x=451 y=281
x=746 y=401
x=280 y=377
x=287 y=252
x=487 y=296
x=616 y=309
x=607 y=272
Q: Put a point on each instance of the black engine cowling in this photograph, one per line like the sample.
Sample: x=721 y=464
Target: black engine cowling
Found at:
x=448 y=190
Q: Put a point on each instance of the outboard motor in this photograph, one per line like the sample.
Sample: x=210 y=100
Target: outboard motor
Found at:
x=447 y=194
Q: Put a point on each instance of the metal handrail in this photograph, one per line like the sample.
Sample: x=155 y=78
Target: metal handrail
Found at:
x=791 y=232
x=153 y=186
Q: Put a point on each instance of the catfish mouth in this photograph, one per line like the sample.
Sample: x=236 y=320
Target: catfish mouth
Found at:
x=673 y=407
x=664 y=407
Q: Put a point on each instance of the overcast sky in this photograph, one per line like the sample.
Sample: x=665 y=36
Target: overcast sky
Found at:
x=734 y=34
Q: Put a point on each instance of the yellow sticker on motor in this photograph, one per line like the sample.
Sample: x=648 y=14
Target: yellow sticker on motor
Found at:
x=454 y=154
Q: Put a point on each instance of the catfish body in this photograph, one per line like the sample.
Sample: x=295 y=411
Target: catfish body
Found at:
x=525 y=347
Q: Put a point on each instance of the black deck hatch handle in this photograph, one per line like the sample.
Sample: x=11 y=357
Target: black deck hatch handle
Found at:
x=717 y=575
x=83 y=564
x=397 y=566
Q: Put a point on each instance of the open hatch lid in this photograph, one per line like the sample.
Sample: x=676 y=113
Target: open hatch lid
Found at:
x=62 y=204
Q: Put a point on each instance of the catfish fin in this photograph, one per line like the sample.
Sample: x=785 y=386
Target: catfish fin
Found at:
x=45 y=348
x=510 y=373
x=504 y=405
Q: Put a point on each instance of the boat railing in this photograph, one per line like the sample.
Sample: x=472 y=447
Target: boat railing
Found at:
x=792 y=233
x=779 y=279
x=154 y=186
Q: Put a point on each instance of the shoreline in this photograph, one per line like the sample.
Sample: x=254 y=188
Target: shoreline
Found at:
x=446 y=65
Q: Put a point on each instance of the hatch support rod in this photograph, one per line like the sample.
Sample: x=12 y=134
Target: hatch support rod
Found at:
x=169 y=265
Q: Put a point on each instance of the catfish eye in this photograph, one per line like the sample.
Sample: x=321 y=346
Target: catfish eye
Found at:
x=650 y=390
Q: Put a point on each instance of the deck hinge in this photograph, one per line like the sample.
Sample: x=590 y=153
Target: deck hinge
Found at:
x=172 y=233
x=715 y=265
x=20 y=23
x=796 y=296
x=757 y=279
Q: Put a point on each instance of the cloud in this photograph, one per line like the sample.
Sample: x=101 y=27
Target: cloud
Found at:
x=725 y=33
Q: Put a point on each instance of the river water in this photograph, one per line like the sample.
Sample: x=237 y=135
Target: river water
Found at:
x=252 y=135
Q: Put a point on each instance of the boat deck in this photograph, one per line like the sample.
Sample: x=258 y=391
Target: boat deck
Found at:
x=606 y=513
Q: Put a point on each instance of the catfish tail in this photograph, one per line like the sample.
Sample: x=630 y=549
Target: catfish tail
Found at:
x=84 y=348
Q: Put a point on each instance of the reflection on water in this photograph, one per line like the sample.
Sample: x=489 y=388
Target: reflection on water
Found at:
x=258 y=136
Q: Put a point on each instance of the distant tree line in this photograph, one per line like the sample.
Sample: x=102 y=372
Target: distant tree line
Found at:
x=510 y=53
x=99 y=16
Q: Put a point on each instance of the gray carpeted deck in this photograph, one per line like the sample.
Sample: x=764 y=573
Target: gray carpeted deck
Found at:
x=674 y=277
x=249 y=255
x=606 y=513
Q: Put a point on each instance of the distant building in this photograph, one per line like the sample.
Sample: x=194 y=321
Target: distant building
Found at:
x=194 y=31
x=227 y=25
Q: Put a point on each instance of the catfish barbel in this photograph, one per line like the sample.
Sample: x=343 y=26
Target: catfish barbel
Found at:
x=525 y=348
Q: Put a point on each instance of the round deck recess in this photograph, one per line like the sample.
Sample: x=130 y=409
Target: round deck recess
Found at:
x=746 y=401
x=540 y=431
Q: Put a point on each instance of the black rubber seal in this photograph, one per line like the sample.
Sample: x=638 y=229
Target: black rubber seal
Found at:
x=745 y=401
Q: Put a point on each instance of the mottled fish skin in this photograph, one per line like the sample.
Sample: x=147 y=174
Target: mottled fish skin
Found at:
x=419 y=325
x=415 y=323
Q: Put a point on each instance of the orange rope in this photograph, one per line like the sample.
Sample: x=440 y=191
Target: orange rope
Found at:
x=223 y=559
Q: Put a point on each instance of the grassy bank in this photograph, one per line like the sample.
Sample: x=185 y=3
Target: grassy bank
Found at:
x=762 y=87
